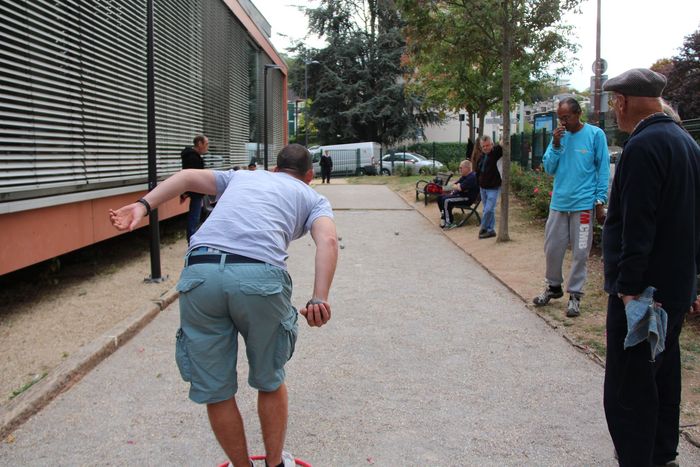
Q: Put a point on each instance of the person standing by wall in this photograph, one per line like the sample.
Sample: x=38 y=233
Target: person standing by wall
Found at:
x=485 y=164
x=326 y=164
x=192 y=159
x=578 y=159
x=651 y=240
x=235 y=281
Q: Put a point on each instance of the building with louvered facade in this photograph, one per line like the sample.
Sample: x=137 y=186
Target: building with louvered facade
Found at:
x=74 y=109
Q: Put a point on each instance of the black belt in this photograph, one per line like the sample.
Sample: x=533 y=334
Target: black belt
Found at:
x=216 y=259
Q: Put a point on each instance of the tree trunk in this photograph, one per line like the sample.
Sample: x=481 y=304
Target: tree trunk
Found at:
x=503 y=235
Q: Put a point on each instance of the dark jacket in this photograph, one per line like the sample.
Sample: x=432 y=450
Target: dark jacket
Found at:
x=326 y=162
x=191 y=160
x=468 y=186
x=486 y=169
x=651 y=235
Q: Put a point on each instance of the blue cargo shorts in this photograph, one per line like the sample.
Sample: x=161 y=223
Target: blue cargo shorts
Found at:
x=220 y=301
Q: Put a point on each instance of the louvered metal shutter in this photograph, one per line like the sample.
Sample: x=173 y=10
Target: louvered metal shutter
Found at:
x=73 y=92
x=179 y=80
x=72 y=96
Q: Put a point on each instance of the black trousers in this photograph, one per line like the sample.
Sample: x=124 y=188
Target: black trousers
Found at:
x=642 y=398
x=326 y=174
x=449 y=201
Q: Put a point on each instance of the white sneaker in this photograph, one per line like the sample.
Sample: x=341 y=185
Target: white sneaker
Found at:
x=288 y=459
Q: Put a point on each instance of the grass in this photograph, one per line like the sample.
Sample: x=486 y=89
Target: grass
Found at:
x=27 y=385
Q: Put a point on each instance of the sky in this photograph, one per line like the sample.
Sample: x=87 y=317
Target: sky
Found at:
x=634 y=33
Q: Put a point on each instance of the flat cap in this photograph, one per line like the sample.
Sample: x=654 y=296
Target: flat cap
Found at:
x=637 y=82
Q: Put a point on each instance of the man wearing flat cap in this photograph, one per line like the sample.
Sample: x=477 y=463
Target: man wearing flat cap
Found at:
x=651 y=243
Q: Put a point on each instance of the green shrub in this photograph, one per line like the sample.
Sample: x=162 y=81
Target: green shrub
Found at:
x=534 y=188
x=443 y=152
x=403 y=170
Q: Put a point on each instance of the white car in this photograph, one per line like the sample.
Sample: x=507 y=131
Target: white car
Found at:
x=417 y=163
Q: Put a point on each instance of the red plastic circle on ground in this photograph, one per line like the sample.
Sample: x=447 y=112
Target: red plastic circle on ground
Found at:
x=298 y=462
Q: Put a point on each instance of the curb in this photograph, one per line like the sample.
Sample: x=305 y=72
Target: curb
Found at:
x=75 y=367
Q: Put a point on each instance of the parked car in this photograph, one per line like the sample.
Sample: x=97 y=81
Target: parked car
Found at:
x=417 y=163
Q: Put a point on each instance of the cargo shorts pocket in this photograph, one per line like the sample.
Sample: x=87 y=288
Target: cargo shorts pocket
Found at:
x=182 y=356
x=262 y=288
x=185 y=285
x=286 y=340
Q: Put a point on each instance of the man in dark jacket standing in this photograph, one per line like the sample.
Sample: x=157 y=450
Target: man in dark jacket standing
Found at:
x=486 y=167
x=651 y=239
x=326 y=164
x=192 y=159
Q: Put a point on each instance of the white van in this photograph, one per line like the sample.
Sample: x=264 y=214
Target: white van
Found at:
x=349 y=159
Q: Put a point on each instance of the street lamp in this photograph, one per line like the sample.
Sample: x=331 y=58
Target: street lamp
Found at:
x=267 y=67
x=306 y=99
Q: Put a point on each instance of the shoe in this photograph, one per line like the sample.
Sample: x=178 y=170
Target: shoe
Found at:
x=548 y=294
x=487 y=234
x=288 y=459
x=672 y=463
x=442 y=222
x=573 y=309
x=449 y=226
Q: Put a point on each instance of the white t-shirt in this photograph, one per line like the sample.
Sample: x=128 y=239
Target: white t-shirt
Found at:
x=258 y=213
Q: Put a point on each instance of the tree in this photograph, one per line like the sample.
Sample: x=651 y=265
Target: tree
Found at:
x=509 y=44
x=683 y=74
x=357 y=90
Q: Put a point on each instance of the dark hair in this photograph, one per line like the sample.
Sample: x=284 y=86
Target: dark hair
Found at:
x=573 y=104
x=198 y=139
x=294 y=158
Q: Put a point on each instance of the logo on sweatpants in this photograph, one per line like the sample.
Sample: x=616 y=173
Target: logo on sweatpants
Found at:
x=583 y=229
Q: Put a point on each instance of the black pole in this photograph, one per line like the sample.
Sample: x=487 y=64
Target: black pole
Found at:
x=306 y=102
x=265 y=117
x=267 y=67
x=151 y=138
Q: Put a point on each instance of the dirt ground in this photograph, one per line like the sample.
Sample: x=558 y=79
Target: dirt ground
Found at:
x=49 y=311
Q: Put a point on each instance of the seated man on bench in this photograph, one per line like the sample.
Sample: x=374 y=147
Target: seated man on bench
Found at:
x=465 y=192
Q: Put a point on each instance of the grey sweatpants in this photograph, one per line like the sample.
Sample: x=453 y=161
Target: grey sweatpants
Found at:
x=566 y=229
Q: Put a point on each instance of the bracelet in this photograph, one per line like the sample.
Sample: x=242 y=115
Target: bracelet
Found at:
x=314 y=301
x=146 y=204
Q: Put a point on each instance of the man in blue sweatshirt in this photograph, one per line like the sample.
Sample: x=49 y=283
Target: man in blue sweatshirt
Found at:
x=578 y=158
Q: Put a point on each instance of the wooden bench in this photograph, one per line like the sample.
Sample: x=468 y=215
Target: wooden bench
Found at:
x=441 y=179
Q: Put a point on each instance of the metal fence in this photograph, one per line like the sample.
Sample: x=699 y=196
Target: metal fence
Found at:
x=527 y=149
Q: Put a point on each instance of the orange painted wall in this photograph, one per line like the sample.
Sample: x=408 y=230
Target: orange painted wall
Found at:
x=28 y=237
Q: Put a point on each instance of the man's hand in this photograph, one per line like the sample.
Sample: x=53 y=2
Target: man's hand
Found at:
x=127 y=217
x=316 y=314
x=695 y=307
x=600 y=214
x=557 y=135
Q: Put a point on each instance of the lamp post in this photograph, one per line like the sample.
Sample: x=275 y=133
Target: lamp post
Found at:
x=267 y=67
x=306 y=99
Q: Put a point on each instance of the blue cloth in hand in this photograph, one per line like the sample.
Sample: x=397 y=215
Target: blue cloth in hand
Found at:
x=646 y=321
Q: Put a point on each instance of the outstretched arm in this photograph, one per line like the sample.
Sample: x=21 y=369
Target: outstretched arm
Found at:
x=324 y=234
x=198 y=181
